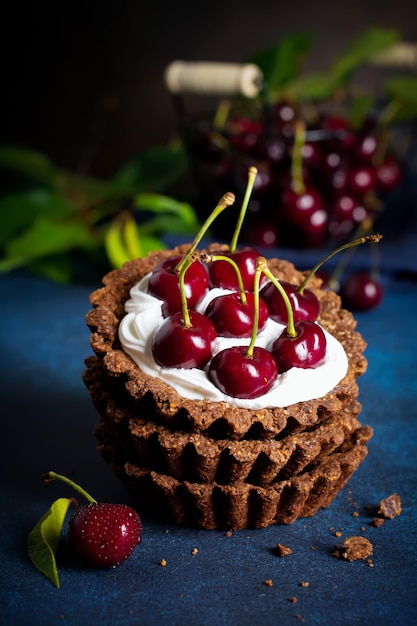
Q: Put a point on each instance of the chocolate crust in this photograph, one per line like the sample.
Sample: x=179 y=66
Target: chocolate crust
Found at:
x=239 y=504
x=194 y=457
x=217 y=417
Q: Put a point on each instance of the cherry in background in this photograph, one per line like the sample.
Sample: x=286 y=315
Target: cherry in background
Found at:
x=361 y=292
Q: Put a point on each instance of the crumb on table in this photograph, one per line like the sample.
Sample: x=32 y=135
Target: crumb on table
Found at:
x=390 y=506
x=282 y=550
x=353 y=548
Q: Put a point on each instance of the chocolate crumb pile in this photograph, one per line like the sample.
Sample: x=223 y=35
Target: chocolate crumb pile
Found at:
x=208 y=464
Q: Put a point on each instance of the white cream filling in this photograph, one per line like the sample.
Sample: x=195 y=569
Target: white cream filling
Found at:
x=144 y=316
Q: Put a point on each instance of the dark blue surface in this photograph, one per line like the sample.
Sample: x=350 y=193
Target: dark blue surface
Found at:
x=47 y=423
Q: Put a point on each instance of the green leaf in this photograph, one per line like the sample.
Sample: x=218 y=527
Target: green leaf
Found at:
x=368 y=44
x=282 y=63
x=114 y=244
x=43 y=539
x=403 y=88
x=323 y=84
x=18 y=210
x=317 y=86
x=173 y=216
x=150 y=244
x=154 y=170
x=45 y=237
x=57 y=267
x=360 y=106
x=28 y=163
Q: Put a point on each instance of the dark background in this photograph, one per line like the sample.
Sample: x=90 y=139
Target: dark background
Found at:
x=83 y=82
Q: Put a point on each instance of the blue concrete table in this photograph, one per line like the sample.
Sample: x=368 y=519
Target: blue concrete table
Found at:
x=47 y=423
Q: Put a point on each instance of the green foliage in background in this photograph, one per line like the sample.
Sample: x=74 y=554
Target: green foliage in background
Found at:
x=51 y=219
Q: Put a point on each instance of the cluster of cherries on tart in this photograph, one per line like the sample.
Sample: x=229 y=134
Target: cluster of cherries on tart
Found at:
x=186 y=338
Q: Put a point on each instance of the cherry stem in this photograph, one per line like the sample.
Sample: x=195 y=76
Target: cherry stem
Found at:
x=261 y=261
x=208 y=258
x=256 y=281
x=54 y=476
x=297 y=178
x=375 y=238
x=252 y=173
x=227 y=200
x=181 y=279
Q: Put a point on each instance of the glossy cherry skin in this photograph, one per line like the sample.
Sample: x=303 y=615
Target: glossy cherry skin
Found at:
x=360 y=292
x=175 y=345
x=361 y=179
x=388 y=174
x=232 y=318
x=305 y=306
x=164 y=284
x=298 y=207
x=105 y=534
x=222 y=274
x=241 y=376
x=307 y=350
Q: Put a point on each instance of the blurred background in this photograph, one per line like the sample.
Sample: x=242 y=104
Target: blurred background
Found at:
x=83 y=82
x=85 y=103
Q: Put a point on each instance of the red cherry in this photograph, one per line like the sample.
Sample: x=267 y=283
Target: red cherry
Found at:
x=222 y=274
x=388 y=174
x=176 y=345
x=306 y=350
x=342 y=132
x=263 y=234
x=305 y=306
x=360 y=292
x=299 y=206
x=241 y=376
x=164 y=284
x=105 y=534
x=272 y=149
x=233 y=318
x=361 y=179
x=245 y=133
x=365 y=147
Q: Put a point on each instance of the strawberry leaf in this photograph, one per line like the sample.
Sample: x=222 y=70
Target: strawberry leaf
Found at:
x=43 y=539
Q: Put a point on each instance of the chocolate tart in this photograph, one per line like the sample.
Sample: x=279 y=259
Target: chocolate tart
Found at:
x=199 y=459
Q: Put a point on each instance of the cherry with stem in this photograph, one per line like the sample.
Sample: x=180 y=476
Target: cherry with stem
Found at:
x=233 y=313
x=104 y=534
x=185 y=339
x=163 y=282
x=305 y=303
x=302 y=343
x=221 y=274
x=245 y=372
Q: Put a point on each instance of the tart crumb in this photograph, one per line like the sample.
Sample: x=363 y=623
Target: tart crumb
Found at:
x=268 y=582
x=377 y=522
x=353 y=548
x=194 y=551
x=282 y=550
x=162 y=562
x=304 y=583
x=293 y=600
x=390 y=507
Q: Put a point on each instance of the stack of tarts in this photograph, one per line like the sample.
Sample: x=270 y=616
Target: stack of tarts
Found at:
x=197 y=456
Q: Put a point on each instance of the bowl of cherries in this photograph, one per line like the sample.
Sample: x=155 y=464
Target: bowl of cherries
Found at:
x=326 y=149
